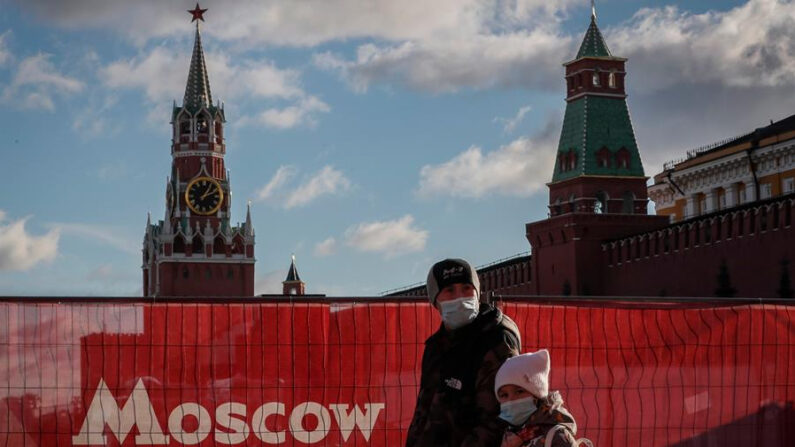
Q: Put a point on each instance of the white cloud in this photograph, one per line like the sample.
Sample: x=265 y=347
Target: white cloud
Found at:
x=509 y=124
x=441 y=66
x=285 y=22
x=270 y=282
x=5 y=53
x=519 y=168
x=301 y=113
x=750 y=45
x=327 y=181
x=283 y=174
x=162 y=72
x=102 y=233
x=20 y=250
x=391 y=237
x=37 y=81
x=325 y=247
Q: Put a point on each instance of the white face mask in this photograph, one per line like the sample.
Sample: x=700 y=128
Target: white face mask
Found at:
x=459 y=312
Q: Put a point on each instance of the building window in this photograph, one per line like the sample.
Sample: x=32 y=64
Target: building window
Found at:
x=702 y=205
x=765 y=191
x=600 y=204
x=571 y=159
x=595 y=79
x=185 y=273
x=788 y=185
x=722 y=201
x=741 y=196
x=628 y=203
x=611 y=80
x=603 y=158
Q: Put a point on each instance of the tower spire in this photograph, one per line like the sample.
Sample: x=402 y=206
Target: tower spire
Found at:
x=593 y=10
x=197 y=90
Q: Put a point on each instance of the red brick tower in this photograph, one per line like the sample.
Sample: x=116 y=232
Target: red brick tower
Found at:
x=292 y=285
x=195 y=250
x=598 y=188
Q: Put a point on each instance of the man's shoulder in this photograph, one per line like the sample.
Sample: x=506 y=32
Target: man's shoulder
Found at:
x=500 y=327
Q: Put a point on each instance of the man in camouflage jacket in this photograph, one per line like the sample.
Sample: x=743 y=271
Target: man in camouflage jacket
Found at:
x=456 y=405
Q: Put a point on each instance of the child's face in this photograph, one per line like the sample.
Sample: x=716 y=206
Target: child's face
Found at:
x=507 y=393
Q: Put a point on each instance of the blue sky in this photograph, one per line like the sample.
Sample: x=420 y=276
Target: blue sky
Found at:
x=372 y=137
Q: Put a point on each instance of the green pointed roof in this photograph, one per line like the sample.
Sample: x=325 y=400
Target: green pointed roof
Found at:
x=197 y=90
x=593 y=44
x=590 y=124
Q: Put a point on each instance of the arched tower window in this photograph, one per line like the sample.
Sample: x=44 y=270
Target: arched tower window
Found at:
x=600 y=204
x=219 y=246
x=623 y=158
x=219 y=132
x=202 y=126
x=184 y=129
x=628 y=203
x=611 y=79
x=603 y=157
x=179 y=245
x=595 y=79
x=572 y=159
x=198 y=245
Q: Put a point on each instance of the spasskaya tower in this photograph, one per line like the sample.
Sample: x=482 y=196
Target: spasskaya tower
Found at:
x=195 y=250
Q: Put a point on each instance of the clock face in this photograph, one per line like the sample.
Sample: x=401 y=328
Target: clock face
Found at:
x=204 y=195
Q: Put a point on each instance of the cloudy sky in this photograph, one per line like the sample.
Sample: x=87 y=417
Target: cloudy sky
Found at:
x=372 y=137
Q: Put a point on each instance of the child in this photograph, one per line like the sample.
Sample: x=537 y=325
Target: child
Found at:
x=535 y=416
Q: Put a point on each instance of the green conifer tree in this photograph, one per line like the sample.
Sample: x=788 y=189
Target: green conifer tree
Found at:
x=724 y=288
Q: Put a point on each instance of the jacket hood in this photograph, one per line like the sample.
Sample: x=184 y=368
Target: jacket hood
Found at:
x=551 y=412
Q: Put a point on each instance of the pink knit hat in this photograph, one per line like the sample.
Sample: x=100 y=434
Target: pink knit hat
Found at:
x=529 y=371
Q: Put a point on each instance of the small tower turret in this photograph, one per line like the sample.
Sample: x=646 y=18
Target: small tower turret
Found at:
x=293 y=285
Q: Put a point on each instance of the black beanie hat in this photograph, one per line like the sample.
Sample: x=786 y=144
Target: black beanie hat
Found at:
x=450 y=271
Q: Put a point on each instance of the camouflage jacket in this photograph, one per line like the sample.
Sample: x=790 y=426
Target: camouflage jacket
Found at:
x=456 y=406
x=549 y=414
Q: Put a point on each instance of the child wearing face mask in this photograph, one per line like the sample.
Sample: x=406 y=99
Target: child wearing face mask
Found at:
x=535 y=417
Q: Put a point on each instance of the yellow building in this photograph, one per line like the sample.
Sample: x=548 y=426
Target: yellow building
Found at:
x=756 y=166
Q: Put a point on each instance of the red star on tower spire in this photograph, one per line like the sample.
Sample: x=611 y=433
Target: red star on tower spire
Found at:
x=198 y=13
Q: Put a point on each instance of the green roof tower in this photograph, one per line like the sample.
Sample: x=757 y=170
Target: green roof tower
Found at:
x=598 y=167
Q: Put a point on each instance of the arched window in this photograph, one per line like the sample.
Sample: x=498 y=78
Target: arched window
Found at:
x=198 y=245
x=628 y=203
x=219 y=246
x=572 y=206
x=611 y=79
x=556 y=207
x=219 y=132
x=201 y=124
x=238 y=246
x=185 y=273
x=595 y=79
x=572 y=159
x=179 y=245
x=623 y=158
x=600 y=204
x=603 y=157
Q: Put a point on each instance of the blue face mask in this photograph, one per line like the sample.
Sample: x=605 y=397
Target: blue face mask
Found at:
x=516 y=412
x=459 y=312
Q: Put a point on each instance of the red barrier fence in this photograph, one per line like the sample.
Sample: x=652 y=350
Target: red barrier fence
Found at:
x=346 y=371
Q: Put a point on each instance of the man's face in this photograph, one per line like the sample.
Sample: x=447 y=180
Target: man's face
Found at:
x=455 y=291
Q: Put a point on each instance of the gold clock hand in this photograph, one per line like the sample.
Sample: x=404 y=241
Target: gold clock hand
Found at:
x=206 y=193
